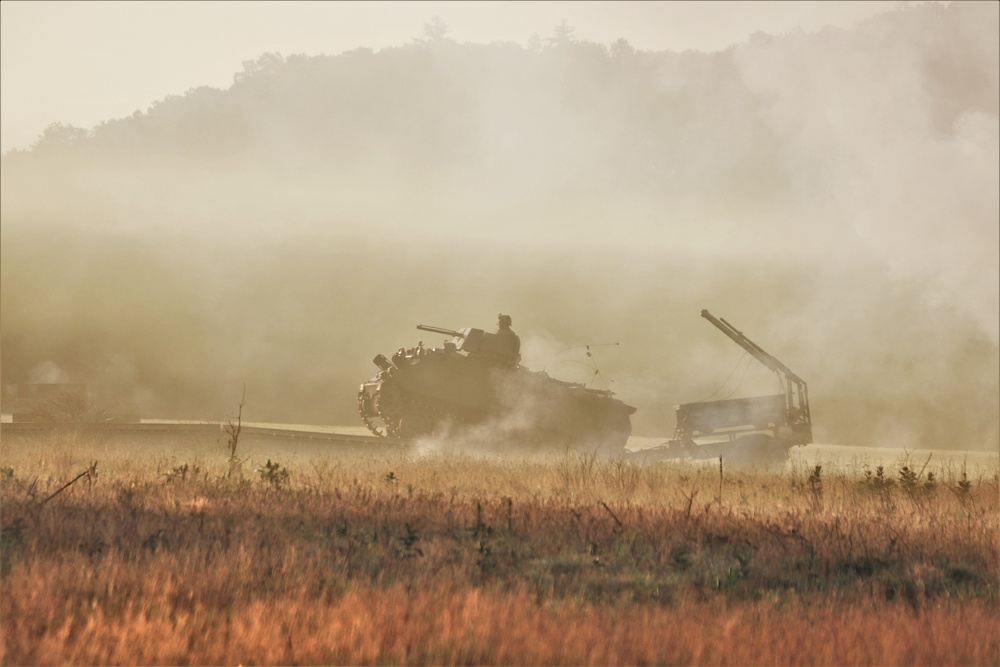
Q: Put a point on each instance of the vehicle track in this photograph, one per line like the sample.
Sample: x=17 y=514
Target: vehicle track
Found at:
x=201 y=429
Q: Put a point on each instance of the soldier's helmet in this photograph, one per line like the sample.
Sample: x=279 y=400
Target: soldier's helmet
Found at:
x=505 y=320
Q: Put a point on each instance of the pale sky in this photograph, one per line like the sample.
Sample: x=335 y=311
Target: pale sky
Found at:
x=82 y=63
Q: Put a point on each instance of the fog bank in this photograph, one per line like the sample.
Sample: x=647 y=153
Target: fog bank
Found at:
x=833 y=194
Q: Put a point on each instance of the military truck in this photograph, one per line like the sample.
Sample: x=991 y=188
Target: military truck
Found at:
x=758 y=429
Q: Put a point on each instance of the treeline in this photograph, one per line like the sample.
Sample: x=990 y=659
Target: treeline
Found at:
x=440 y=104
x=754 y=130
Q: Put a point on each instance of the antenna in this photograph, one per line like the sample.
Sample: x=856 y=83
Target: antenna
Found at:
x=592 y=365
x=576 y=347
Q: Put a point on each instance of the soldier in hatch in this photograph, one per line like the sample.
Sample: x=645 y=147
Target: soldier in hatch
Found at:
x=509 y=337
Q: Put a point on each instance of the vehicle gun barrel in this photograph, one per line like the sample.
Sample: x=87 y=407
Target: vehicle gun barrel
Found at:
x=447 y=332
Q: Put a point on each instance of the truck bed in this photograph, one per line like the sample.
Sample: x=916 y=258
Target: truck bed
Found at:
x=756 y=412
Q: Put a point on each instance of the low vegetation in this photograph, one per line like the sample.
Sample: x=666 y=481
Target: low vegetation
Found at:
x=383 y=558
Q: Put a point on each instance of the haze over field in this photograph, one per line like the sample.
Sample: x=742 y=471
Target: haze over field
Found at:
x=833 y=193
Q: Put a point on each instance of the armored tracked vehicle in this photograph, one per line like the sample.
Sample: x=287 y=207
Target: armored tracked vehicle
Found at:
x=475 y=386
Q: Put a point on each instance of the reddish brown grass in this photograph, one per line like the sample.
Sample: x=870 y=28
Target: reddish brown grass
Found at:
x=368 y=624
x=458 y=561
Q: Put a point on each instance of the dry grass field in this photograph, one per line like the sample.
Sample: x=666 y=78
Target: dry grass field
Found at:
x=177 y=555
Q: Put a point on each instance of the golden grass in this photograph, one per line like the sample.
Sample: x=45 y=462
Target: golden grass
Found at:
x=456 y=560
x=366 y=624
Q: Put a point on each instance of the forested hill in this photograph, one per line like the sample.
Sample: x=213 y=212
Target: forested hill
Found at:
x=442 y=104
x=836 y=193
x=757 y=126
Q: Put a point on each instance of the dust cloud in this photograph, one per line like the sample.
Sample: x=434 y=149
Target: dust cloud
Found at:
x=833 y=194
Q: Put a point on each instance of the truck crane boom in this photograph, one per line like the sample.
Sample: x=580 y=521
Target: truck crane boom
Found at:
x=785 y=375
